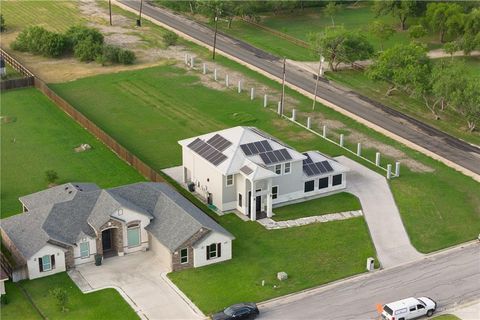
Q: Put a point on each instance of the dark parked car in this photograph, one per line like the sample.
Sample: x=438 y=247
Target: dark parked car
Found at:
x=237 y=311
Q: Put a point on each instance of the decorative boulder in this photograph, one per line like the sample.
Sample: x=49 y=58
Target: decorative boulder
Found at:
x=282 y=276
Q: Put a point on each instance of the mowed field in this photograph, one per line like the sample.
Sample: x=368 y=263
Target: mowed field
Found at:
x=148 y=111
x=104 y=304
x=35 y=137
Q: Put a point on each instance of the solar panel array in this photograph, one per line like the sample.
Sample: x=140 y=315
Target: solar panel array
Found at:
x=219 y=142
x=254 y=148
x=275 y=156
x=207 y=152
x=246 y=169
x=315 y=168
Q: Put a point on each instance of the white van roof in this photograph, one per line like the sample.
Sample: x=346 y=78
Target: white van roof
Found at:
x=404 y=303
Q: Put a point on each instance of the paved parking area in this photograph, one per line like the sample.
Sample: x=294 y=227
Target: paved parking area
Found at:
x=140 y=279
x=381 y=213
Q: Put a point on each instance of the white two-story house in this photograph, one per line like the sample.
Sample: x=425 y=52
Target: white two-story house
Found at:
x=245 y=169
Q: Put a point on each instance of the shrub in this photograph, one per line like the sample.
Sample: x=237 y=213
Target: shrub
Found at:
x=111 y=53
x=76 y=34
x=54 y=44
x=31 y=39
x=2 y=23
x=87 y=50
x=3 y=299
x=51 y=176
x=126 y=57
x=61 y=296
x=170 y=38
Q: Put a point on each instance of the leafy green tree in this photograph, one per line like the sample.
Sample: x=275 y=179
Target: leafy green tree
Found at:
x=51 y=176
x=331 y=10
x=471 y=38
x=382 y=31
x=76 y=34
x=416 y=32
x=444 y=18
x=338 y=45
x=402 y=9
x=54 y=44
x=447 y=79
x=87 y=50
x=450 y=48
x=61 y=296
x=467 y=103
x=403 y=66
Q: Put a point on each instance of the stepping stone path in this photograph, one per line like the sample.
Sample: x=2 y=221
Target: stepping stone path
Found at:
x=271 y=224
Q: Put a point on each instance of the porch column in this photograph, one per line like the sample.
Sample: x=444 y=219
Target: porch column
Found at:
x=269 y=199
x=253 y=207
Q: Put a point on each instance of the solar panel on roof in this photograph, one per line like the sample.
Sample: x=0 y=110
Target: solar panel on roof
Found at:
x=307 y=171
x=279 y=155
x=310 y=168
x=314 y=168
x=245 y=150
x=286 y=154
x=256 y=147
x=308 y=160
x=219 y=142
x=327 y=166
x=259 y=146
x=266 y=145
x=264 y=157
x=320 y=167
x=207 y=152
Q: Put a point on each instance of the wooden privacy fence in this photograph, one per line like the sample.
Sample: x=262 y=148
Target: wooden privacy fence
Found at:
x=28 y=79
x=110 y=142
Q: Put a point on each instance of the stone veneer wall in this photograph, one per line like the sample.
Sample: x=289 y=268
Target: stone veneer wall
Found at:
x=117 y=236
x=176 y=265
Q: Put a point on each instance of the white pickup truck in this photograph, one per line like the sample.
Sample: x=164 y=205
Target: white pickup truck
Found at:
x=410 y=308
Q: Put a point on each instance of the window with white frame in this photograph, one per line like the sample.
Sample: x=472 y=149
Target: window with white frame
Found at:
x=214 y=251
x=230 y=180
x=278 y=169
x=84 y=249
x=46 y=263
x=133 y=235
x=274 y=192
x=184 y=256
x=286 y=168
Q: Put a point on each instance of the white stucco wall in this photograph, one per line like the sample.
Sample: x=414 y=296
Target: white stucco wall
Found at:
x=32 y=263
x=205 y=176
x=162 y=253
x=2 y=287
x=93 y=250
x=200 y=251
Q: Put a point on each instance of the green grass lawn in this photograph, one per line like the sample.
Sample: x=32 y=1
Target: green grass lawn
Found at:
x=450 y=121
x=53 y=15
x=446 y=317
x=329 y=251
x=149 y=110
x=300 y=24
x=11 y=73
x=103 y=304
x=339 y=202
x=36 y=136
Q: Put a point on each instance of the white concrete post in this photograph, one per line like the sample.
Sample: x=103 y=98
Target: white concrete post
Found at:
x=397 y=168
x=309 y=122
x=265 y=101
x=324 y=131
x=192 y=61
x=294 y=115
x=226 y=80
x=239 y=86
x=269 y=199
x=279 y=108
x=186 y=59
x=341 y=140
x=253 y=207
x=359 y=149
x=204 y=68
x=389 y=171
x=377 y=159
x=252 y=93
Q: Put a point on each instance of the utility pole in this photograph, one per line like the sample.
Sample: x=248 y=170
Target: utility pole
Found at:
x=282 y=103
x=215 y=36
x=320 y=73
x=139 y=20
x=110 y=9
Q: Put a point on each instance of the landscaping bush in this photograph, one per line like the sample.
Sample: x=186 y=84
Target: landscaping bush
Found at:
x=111 y=53
x=3 y=299
x=87 y=50
x=2 y=23
x=76 y=34
x=126 y=57
x=170 y=38
x=51 y=176
x=31 y=40
x=54 y=44
x=61 y=296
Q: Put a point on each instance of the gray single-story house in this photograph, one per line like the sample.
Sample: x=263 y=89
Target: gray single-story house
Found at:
x=69 y=224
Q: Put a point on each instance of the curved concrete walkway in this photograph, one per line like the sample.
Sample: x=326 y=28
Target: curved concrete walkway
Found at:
x=381 y=213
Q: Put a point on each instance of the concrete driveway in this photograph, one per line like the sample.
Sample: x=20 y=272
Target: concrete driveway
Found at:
x=381 y=213
x=140 y=279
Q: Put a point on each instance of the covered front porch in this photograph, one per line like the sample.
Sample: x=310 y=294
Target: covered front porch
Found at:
x=259 y=199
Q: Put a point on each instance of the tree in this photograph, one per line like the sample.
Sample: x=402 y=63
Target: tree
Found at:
x=416 y=32
x=404 y=66
x=444 y=18
x=51 y=176
x=447 y=79
x=331 y=9
x=467 y=103
x=76 y=34
x=402 y=9
x=450 y=48
x=382 y=31
x=339 y=45
x=61 y=296
x=54 y=44
x=3 y=27
x=170 y=38
x=471 y=37
x=87 y=50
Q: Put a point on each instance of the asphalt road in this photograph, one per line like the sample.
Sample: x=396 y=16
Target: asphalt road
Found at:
x=453 y=149
x=450 y=279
